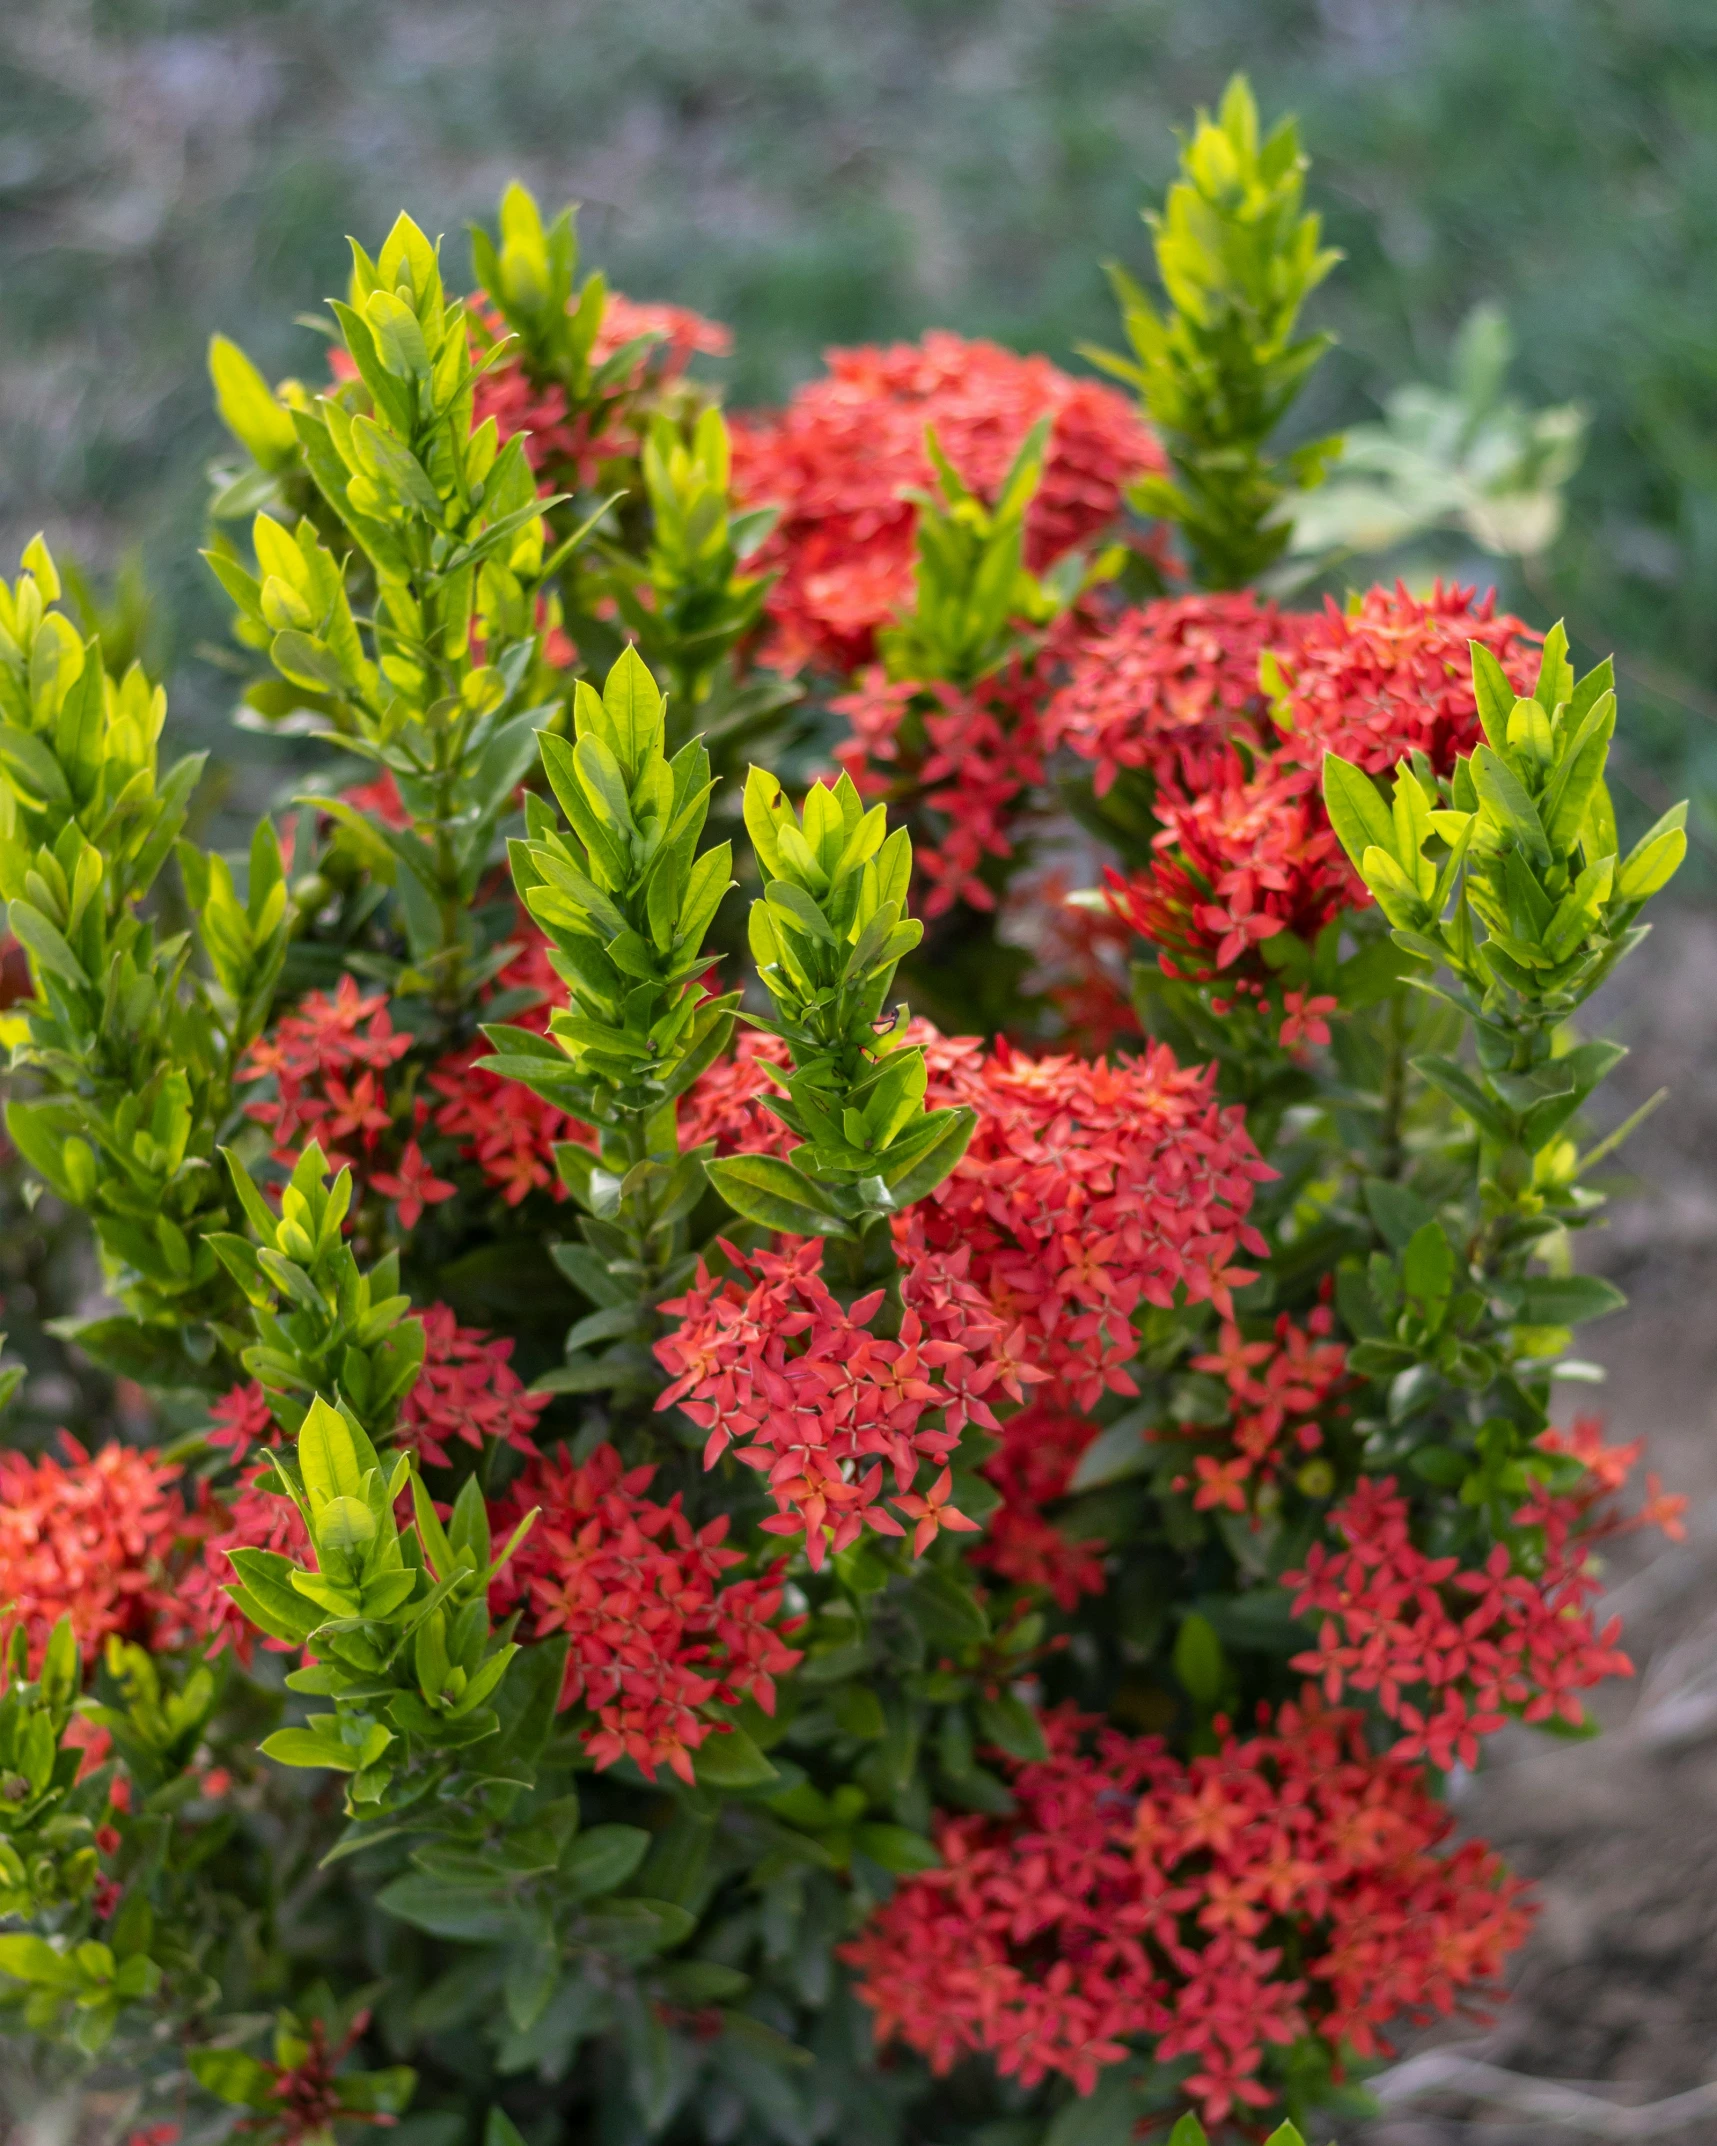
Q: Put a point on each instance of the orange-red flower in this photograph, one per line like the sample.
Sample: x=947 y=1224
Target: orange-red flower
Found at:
x=98 y=1537
x=838 y=460
x=1393 y=675
x=1131 y=1896
x=657 y=1633
x=1162 y=687
x=1452 y=1652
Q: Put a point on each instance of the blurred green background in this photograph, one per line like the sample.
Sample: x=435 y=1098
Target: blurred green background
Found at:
x=817 y=171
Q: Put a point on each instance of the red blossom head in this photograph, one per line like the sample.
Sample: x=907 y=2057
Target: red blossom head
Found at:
x=97 y=1537
x=838 y=460
x=1393 y=675
x=1162 y=688
x=658 y=1632
x=1451 y=1651
x=1244 y=858
x=1135 y=1896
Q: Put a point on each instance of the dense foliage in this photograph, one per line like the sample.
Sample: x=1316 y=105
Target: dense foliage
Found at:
x=696 y=1556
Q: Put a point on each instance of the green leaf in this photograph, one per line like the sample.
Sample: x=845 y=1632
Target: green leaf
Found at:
x=1198 y=1660
x=308 y=662
x=1113 y=1455
x=602 y=1858
x=233 y=2077
x=1398 y=1212
x=1460 y=1087
x=328 y=1455
x=635 y=710
x=1357 y=812
x=1109 y=2115
x=1428 y=1270
x=729 y=1759
x=1012 y=1726
x=1555 y=672
x=42 y=939
x=248 y=407
x=473 y=1914
x=946 y=1611
x=267 y=1597
x=1505 y=797
x=33 y=1959
x=916 y=1179
x=35 y=773
x=1567 y=1299
x=1494 y=694
x=896 y=1848
x=767 y=1189
x=304 y=1748
x=1652 y=862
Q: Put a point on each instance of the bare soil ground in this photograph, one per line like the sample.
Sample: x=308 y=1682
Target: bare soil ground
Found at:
x=1615 y=1995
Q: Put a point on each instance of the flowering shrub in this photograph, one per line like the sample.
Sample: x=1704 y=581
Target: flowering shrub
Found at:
x=674 y=1488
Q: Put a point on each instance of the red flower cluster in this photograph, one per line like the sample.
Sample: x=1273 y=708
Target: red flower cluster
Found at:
x=1471 y=1646
x=509 y=1133
x=1245 y=850
x=1165 y=686
x=1041 y=1445
x=468 y=1391
x=1239 y=861
x=837 y=460
x=1131 y=1896
x=97 y=1537
x=1276 y=1388
x=1089 y=1190
x=770 y=1362
x=1607 y=1470
x=565 y=445
x=966 y=754
x=657 y=1635
x=329 y=1061
x=1085 y=1192
x=1394 y=676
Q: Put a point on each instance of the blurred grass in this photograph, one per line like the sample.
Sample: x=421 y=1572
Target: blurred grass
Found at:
x=814 y=172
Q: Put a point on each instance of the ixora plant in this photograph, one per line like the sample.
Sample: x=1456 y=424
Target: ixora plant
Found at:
x=718 y=1562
